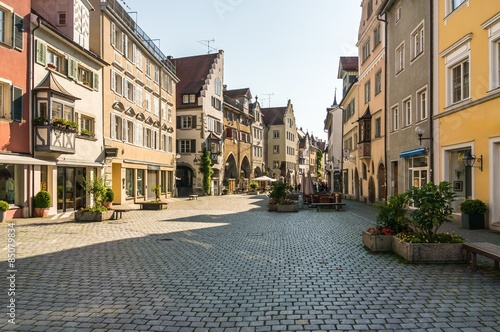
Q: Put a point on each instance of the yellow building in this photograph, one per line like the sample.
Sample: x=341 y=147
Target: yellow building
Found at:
x=139 y=106
x=467 y=123
x=370 y=160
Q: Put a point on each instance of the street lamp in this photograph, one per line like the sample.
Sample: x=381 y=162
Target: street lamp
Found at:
x=420 y=132
x=470 y=159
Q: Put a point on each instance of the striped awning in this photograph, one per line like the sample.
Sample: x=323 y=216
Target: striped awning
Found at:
x=413 y=153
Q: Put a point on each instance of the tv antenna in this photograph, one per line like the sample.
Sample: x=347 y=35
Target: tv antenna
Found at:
x=268 y=98
x=207 y=42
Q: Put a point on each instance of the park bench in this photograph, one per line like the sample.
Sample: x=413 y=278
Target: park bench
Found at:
x=193 y=197
x=152 y=205
x=485 y=249
x=336 y=206
x=118 y=213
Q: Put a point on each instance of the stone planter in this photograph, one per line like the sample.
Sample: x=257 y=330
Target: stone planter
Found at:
x=288 y=208
x=93 y=216
x=377 y=243
x=41 y=212
x=429 y=252
x=472 y=221
x=272 y=207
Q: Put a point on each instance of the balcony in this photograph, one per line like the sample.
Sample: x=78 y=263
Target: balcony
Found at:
x=49 y=138
x=365 y=150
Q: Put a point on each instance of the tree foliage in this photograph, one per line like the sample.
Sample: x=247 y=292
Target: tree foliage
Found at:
x=206 y=170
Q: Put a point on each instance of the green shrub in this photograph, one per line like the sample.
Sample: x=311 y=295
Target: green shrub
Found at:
x=4 y=206
x=473 y=206
x=254 y=185
x=393 y=213
x=278 y=190
x=109 y=195
x=96 y=187
x=43 y=199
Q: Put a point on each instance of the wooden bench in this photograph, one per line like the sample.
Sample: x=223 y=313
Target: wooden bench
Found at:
x=337 y=206
x=193 y=197
x=153 y=205
x=485 y=249
x=118 y=213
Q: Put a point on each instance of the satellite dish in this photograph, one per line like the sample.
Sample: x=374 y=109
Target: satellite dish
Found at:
x=346 y=152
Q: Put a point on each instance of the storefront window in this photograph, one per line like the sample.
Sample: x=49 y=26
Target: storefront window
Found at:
x=8 y=183
x=140 y=182
x=163 y=181
x=129 y=182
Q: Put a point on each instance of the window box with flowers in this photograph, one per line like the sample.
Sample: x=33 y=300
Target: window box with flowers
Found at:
x=87 y=133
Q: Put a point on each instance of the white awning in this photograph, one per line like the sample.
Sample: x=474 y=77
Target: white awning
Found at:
x=81 y=163
x=24 y=160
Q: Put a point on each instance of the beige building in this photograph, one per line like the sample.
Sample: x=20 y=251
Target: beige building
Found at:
x=139 y=106
x=280 y=135
x=370 y=160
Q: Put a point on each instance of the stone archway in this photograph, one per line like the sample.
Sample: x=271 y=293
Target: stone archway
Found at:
x=356 y=184
x=184 y=180
x=382 y=187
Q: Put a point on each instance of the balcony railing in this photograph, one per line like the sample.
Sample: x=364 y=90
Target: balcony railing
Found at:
x=365 y=150
x=51 y=139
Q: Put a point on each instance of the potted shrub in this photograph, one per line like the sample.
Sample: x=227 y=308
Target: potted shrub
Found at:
x=254 y=186
x=4 y=207
x=277 y=194
x=109 y=197
x=391 y=219
x=287 y=205
x=96 y=188
x=157 y=190
x=424 y=244
x=43 y=201
x=473 y=211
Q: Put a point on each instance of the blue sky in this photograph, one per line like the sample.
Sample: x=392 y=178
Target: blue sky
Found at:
x=289 y=49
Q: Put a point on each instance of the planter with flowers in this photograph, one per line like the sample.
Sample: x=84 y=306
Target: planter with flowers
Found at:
x=391 y=219
x=277 y=194
x=287 y=205
x=473 y=211
x=424 y=244
x=97 y=189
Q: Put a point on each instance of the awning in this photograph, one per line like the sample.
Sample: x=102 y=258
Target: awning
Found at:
x=81 y=163
x=413 y=153
x=17 y=159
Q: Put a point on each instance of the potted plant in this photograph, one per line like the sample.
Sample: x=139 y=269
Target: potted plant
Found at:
x=473 y=211
x=287 y=205
x=85 y=132
x=4 y=207
x=96 y=188
x=277 y=194
x=43 y=201
x=109 y=197
x=59 y=123
x=157 y=191
x=254 y=186
x=391 y=219
x=432 y=203
x=40 y=121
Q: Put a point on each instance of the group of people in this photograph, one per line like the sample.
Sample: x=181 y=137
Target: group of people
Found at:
x=6 y=186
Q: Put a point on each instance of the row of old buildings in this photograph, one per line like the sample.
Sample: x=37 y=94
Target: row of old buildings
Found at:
x=85 y=92
x=420 y=102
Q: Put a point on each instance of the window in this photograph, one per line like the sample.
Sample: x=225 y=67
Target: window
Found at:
x=148 y=67
x=460 y=81
x=369 y=8
x=138 y=58
x=3 y=25
x=84 y=76
x=186 y=122
x=367 y=91
x=216 y=103
x=129 y=182
x=116 y=82
x=407 y=112
x=11 y=102
x=116 y=127
x=276 y=149
x=188 y=98
x=376 y=36
x=157 y=74
x=456 y=3
x=156 y=106
x=117 y=38
x=130 y=50
x=395 y=118
x=276 y=134
x=378 y=127
x=11 y=28
x=130 y=131
x=148 y=137
x=398 y=13
x=138 y=95
x=493 y=30
x=366 y=50
x=55 y=60
x=61 y=18
x=276 y=164
x=129 y=90
x=378 y=82
x=163 y=110
x=417 y=43
x=185 y=145
x=400 y=58
x=218 y=86
x=87 y=123
x=140 y=182
x=422 y=104
x=169 y=115
x=147 y=102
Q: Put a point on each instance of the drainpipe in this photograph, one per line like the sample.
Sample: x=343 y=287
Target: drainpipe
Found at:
x=31 y=62
x=431 y=96
x=385 y=106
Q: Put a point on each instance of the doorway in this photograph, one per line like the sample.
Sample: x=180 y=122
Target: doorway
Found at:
x=70 y=188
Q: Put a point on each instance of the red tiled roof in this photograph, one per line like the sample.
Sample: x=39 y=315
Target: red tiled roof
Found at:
x=349 y=62
x=192 y=72
x=273 y=115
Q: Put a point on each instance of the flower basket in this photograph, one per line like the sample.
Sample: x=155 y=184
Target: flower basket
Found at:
x=376 y=242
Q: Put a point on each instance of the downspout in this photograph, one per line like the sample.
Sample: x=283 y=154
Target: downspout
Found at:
x=385 y=104
x=31 y=206
x=431 y=96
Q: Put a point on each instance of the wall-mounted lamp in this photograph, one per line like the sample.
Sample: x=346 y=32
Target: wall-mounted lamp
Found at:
x=177 y=156
x=420 y=132
x=469 y=160
x=350 y=158
x=196 y=160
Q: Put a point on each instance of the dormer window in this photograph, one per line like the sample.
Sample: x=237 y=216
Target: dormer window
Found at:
x=61 y=18
x=189 y=98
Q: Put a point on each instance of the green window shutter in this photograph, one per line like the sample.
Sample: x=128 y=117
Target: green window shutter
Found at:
x=193 y=123
x=41 y=52
x=95 y=81
x=72 y=68
x=178 y=121
x=193 y=145
x=17 y=104
x=18 y=30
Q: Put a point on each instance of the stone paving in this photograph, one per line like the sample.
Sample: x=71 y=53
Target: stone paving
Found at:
x=226 y=264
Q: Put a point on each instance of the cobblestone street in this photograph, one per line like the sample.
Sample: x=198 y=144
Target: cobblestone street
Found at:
x=226 y=264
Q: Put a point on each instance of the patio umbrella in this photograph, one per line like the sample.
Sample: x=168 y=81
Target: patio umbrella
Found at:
x=264 y=178
x=307 y=185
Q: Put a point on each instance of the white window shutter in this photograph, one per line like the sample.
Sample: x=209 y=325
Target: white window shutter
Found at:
x=125 y=45
x=124 y=129
x=112 y=124
x=113 y=34
x=133 y=54
x=139 y=134
x=113 y=80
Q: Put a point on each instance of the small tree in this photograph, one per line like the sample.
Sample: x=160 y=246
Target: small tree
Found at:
x=96 y=187
x=278 y=191
x=393 y=213
x=433 y=207
x=206 y=169
x=254 y=185
x=319 y=162
x=157 y=190
x=43 y=199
